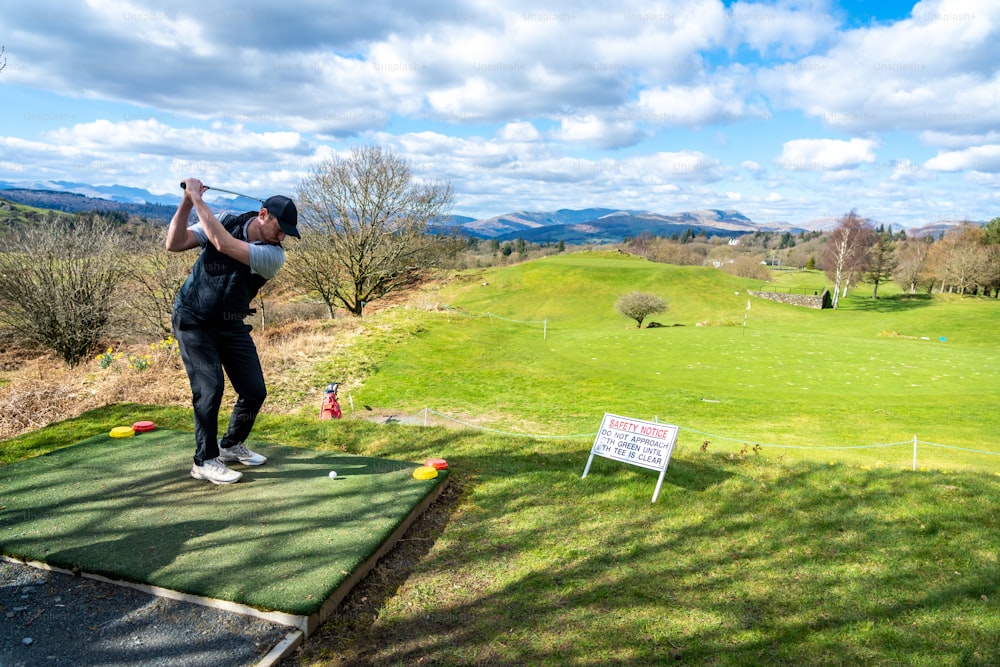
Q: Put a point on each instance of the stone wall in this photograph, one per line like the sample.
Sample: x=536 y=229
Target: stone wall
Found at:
x=818 y=301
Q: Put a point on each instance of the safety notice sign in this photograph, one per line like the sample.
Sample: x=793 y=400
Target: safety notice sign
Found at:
x=635 y=441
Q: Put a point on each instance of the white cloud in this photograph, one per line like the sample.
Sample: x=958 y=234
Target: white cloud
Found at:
x=979 y=158
x=717 y=102
x=596 y=132
x=173 y=31
x=671 y=167
x=787 y=31
x=151 y=136
x=948 y=140
x=928 y=72
x=825 y=154
x=519 y=131
x=906 y=170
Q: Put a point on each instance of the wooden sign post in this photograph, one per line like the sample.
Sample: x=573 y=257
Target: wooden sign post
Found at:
x=641 y=443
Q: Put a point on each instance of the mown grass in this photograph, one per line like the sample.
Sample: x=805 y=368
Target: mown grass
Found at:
x=765 y=556
x=807 y=380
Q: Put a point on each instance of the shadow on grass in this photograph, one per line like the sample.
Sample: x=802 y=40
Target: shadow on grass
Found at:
x=694 y=476
x=815 y=566
x=895 y=303
x=739 y=562
x=149 y=548
x=127 y=509
x=311 y=464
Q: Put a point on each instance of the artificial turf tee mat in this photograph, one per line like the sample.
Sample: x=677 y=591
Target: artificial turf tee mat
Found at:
x=282 y=539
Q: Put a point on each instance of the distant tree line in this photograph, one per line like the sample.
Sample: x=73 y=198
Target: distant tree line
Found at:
x=71 y=202
x=476 y=252
x=962 y=260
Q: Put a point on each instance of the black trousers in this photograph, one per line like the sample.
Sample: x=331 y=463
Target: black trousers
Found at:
x=208 y=351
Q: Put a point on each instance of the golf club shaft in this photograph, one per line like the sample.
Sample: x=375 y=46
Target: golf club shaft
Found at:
x=229 y=192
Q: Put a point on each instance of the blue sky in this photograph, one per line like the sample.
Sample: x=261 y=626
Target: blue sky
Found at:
x=787 y=110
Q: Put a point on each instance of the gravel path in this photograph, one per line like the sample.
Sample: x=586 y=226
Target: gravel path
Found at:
x=51 y=618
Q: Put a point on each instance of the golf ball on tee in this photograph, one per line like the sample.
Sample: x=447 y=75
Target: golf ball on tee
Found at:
x=333 y=474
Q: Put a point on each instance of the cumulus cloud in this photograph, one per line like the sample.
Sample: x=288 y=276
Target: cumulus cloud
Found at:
x=927 y=72
x=673 y=166
x=152 y=136
x=519 y=131
x=949 y=140
x=825 y=154
x=788 y=31
x=699 y=105
x=979 y=158
x=596 y=132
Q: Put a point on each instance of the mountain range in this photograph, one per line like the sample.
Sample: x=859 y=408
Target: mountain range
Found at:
x=572 y=226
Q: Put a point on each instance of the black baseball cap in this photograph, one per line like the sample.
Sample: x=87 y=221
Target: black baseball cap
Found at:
x=284 y=210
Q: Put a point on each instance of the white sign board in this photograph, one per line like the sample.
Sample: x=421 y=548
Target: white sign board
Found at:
x=640 y=443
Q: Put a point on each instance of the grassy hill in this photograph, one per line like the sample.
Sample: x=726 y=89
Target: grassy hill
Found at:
x=556 y=356
x=17 y=217
x=71 y=202
x=14 y=215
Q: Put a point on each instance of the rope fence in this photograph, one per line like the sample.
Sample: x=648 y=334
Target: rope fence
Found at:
x=476 y=316
x=422 y=418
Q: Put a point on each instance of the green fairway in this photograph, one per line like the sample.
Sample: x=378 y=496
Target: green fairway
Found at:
x=283 y=539
x=538 y=348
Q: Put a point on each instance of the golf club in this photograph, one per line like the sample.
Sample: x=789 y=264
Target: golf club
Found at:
x=229 y=192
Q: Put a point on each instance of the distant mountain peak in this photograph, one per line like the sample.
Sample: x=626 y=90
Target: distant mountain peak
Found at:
x=574 y=226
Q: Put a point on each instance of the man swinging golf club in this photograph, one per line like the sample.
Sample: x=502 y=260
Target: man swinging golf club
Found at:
x=239 y=254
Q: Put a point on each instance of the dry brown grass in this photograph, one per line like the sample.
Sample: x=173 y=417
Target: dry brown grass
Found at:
x=42 y=389
x=37 y=388
x=296 y=339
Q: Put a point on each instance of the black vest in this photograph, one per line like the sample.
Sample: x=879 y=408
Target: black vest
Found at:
x=220 y=288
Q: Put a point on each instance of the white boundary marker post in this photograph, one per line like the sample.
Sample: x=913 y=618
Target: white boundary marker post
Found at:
x=634 y=441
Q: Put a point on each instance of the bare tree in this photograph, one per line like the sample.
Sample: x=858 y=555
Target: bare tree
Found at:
x=961 y=260
x=376 y=218
x=639 y=305
x=911 y=263
x=154 y=278
x=748 y=267
x=59 y=285
x=315 y=267
x=845 y=252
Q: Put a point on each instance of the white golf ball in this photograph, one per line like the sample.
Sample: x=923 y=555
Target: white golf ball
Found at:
x=333 y=474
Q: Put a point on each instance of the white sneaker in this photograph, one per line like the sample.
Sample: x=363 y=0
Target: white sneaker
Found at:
x=240 y=453
x=216 y=472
